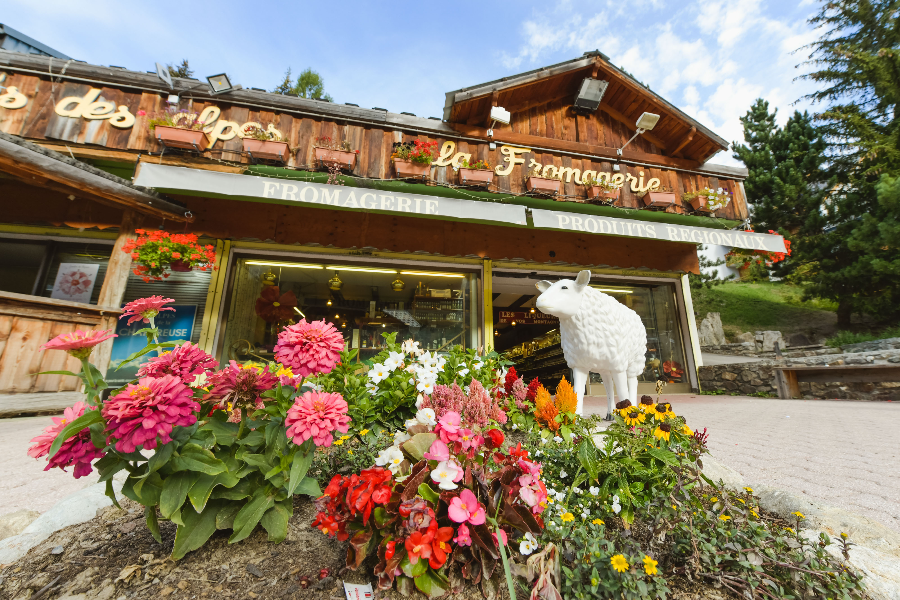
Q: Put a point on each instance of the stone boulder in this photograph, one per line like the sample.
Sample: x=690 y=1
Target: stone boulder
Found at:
x=745 y=338
x=711 y=332
x=765 y=341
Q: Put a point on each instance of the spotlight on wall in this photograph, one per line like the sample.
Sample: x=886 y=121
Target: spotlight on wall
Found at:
x=498 y=115
x=645 y=122
x=590 y=93
x=219 y=84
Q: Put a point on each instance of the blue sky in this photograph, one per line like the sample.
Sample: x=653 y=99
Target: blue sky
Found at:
x=712 y=58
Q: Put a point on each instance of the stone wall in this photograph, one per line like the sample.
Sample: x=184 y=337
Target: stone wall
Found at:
x=759 y=377
x=873 y=346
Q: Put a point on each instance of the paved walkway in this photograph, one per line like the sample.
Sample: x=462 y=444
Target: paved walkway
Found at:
x=842 y=453
x=711 y=360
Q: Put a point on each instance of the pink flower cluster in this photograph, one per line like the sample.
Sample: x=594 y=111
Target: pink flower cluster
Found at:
x=144 y=309
x=463 y=439
x=77 y=451
x=316 y=415
x=309 y=348
x=518 y=392
x=533 y=492
x=144 y=414
x=78 y=343
x=444 y=399
x=186 y=361
x=480 y=407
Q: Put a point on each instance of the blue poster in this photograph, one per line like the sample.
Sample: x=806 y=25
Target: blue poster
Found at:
x=173 y=326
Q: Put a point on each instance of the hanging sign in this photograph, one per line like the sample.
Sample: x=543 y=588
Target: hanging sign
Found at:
x=523 y=318
x=173 y=326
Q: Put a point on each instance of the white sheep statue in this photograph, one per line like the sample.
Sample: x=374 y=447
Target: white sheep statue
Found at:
x=597 y=334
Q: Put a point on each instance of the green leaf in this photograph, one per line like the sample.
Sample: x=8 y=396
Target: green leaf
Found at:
x=433 y=584
x=413 y=570
x=588 y=457
x=418 y=445
x=150 y=347
x=59 y=373
x=161 y=457
x=175 y=489
x=429 y=494
x=302 y=460
x=195 y=458
x=663 y=455
x=197 y=529
x=86 y=420
x=275 y=521
x=109 y=465
x=242 y=490
x=247 y=518
x=254 y=438
x=225 y=518
x=146 y=489
x=204 y=438
x=152 y=522
x=309 y=486
x=111 y=493
x=204 y=484
x=226 y=433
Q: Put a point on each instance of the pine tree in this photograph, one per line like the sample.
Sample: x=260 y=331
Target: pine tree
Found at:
x=309 y=84
x=182 y=70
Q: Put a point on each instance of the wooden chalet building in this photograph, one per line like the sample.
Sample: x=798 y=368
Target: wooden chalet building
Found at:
x=429 y=257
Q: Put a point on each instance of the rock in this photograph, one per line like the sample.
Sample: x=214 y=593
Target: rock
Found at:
x=57 y=550
x=765 y=340
x=15 y=522
x=711 y=332
x=745 y=338
x=719 y=472
x=728 y=376
x=798 y=339
x=254 y=570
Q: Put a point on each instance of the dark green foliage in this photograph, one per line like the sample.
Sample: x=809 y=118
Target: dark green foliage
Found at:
x=182 y=70
x=706 y=279
x=309 y=84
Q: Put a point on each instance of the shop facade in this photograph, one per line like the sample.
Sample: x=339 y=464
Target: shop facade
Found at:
x=429 y=258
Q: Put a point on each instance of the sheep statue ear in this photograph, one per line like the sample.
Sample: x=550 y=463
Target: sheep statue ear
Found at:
x=543 y=286
x=584 y=277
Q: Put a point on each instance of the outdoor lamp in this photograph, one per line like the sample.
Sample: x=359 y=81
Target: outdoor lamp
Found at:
x=590 y=93
x=219 y=84
x=645 y=122
x=498 y=115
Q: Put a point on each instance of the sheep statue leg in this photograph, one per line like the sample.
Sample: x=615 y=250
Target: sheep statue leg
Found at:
x=632 y=389
x=579 y=380
x=610 y=394
x=621 y=380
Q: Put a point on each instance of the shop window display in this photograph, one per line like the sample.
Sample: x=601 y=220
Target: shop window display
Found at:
x=431 y=306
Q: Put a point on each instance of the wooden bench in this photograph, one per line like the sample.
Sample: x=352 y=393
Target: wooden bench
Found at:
x=788 y=379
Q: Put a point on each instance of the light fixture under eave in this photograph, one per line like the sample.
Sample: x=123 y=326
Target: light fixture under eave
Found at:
x=219 y=84
x=299 y=312
x=432 y=274
x=589 y=95
x=285 y=265
x=363 y=269
x=645 y=122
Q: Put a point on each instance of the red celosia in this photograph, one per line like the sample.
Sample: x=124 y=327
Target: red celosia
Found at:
x=185 y=361
x=511 y=377
x=143 y=309
x=315 y=415
x=77 y=451
x=531 y=392
x=240 y=386
x=144 y=414
x=309 y=348
x=78 y=343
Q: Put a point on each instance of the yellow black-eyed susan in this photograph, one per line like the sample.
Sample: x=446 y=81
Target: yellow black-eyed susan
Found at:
x=633 y=417
x=646 y=404
x=661 y=411
x=663 y=431
x=623 y=406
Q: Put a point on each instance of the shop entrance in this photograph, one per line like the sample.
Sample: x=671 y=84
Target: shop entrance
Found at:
x=530 y=339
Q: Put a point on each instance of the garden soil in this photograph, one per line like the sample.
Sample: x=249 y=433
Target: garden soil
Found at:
x=113 y=557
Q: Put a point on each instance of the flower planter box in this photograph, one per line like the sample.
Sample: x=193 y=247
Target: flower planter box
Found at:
x=267 y=149
x=476 y=176
x=408 y=168
x=598 y=194
x=336 y=158
x=659 y=199
x=186 y=139
x=700 y=204
x=542 y=185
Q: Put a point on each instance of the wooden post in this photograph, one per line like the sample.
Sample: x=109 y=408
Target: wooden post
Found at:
x=113 y=290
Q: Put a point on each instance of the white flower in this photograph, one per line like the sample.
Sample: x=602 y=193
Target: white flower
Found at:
x=426 y=416
x=378 y=373
x=463 y=372
x=443 y=475
x=412 y=381
x=585 y=514
x=539 y=452
x=514 y=426
x=394 y=360
x=501 y=375
x=719 y=190
x=410 y=423
x=420 y=400
x=615 y=499
x=560 y=496
x=426 y=387
x=576 y=490
x=400 y=437
x=528 y=544
x=563 y=473
x=594 y=490
x=543 y=441
x=616 y=508
x=410 y=347
x=391 y=458
x=557 y=439
x=477 y=365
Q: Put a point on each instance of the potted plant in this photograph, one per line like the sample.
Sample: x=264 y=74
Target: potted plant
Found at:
x=413 y=159
x=264 y=143
x=477 y=173
x=662 y=197
x=542 y=185
x=601 y=191
x=156 y=252
x=180 y=129
x=331 y=153
x=708 y=200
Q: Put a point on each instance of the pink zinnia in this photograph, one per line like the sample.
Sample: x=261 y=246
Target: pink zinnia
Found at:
x=241 y=385
x=78 y=343
x=466 y=508
x=144 y=309
x=149 y=410
x=77 y=451
x=309 y=348
x=315 y=415
x=186 y=361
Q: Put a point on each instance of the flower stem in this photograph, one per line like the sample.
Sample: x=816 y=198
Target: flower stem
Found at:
x=155 y=336
x=241 y=426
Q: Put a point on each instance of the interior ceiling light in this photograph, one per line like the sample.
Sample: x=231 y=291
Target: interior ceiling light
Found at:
x=364 y=269
x=612 y=290
x=299 y=312
x=286 y=265
x=329 y=302
x=431 y=274
x=590 y=93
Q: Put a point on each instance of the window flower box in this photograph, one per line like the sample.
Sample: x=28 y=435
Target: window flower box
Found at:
x=542 y=185
x=413 y=159
x=342 y=159
x=483 y=177
x=661 y=200
x=708 y=200
x=185 y=139
x=407 y=169
x=700 y=204
x=600 y=195
x=267 y=149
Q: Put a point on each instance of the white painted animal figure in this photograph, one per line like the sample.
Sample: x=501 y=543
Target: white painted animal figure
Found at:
x=598 y=334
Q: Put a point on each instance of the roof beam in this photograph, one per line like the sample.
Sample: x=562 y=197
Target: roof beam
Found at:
x=684 y=141
x=629 y=123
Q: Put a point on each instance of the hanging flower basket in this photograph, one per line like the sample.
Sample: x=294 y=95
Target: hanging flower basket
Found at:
x=185 y=139
x=156 y=253
x=408 y=168
x=542 y=185
x=344 y=160
x=267 y=149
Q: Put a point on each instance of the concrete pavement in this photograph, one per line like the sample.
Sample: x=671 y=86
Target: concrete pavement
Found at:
x=710 y=359
x=842 y=453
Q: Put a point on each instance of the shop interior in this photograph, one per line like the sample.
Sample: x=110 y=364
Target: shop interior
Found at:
x=364 y=301
x=530 y=339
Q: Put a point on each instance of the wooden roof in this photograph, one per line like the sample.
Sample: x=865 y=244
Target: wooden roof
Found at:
x=676 y=134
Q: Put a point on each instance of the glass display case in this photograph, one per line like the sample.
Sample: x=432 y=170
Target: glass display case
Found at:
x=363 y=301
